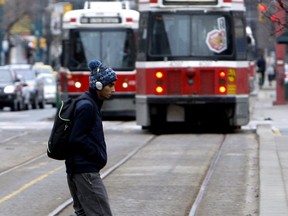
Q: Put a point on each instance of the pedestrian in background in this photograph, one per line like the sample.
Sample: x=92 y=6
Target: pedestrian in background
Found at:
x=88 y=145
x=261 y=68
x=271 y=73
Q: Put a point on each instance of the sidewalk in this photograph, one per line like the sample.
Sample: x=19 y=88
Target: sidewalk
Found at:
x=271 y=124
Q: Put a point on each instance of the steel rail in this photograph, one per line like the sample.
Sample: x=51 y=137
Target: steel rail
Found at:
x=206 y=180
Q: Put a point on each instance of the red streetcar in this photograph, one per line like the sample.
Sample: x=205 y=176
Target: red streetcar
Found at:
x=192 y=65
x=106 y=31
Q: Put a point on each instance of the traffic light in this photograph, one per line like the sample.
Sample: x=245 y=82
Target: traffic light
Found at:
x=42 y=43
x=273 y=18
x=67 y=7
x=262 y=8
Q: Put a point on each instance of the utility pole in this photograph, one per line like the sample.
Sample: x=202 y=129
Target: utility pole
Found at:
x=2 y=2
x=280 y=50
x=39 y=30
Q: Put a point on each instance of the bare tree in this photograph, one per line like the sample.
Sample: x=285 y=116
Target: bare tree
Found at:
x=275 y=11
x=14 y=10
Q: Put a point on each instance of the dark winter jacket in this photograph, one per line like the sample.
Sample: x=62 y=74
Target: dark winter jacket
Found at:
x=261 y=64
x=87 y=138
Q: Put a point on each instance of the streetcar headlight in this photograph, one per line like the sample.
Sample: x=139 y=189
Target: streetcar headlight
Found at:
x=125 y=85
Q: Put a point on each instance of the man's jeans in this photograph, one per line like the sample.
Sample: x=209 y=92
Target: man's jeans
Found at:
x=89 y=194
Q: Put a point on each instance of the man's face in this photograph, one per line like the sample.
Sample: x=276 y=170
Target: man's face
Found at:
x=107 y=91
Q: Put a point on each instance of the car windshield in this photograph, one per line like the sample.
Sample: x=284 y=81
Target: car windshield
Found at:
x=26 y=74
x=49 y=81
x=5 y=76
x=43 y=70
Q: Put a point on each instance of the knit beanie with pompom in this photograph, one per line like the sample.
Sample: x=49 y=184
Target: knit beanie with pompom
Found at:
x=100 y=73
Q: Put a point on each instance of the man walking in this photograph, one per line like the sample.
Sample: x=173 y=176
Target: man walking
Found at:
x=88 y=145
x=261 y=68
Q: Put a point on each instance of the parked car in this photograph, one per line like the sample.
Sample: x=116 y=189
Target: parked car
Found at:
x=41 y=68
x=50 y=92
x=12 y=90
x=35 y=87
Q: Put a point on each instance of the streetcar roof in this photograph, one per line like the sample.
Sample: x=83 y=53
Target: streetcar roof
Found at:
x=219 y=5
x=96 y=5
x=108 y=17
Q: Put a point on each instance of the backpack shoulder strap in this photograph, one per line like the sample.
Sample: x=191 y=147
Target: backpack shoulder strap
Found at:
x=66 y=109
x=87 y=97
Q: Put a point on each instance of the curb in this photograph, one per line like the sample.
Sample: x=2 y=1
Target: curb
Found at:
x=272 y=199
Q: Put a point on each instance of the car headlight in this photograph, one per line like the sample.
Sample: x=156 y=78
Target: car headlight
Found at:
x=9 y=89
x=31 y=86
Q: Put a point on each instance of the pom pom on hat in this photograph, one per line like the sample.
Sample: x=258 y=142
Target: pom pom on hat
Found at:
x=94 y=64
x=100 y=73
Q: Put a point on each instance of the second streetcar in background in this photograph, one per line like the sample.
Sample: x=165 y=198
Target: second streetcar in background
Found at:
x=106 y=31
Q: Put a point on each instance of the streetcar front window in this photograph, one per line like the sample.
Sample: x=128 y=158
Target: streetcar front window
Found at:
x=114 y=47
x=190 y=35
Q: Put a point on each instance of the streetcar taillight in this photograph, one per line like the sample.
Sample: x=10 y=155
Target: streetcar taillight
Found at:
x=159 y=82
x=222 y=89
x=129 y=19
x=73 y=20
x=222 y=81
x=159 y=89
x=153 y=1
x=159 y=75
x=222 y=74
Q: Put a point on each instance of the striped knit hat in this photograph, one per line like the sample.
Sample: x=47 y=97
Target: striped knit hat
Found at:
x=100 y=73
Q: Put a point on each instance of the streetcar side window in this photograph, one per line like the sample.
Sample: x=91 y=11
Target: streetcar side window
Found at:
x=142 y=36
x=241 y=38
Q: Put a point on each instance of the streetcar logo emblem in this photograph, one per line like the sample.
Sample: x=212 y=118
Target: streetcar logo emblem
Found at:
x=216 y=39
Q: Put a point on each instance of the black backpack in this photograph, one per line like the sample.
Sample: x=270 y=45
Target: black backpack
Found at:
x=58 y=143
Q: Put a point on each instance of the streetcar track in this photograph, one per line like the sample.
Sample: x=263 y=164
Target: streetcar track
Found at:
x=106 y=173
x=206 y=180
x=22 y=164
x=198 y=198
x=13 y=137
x=31 y=160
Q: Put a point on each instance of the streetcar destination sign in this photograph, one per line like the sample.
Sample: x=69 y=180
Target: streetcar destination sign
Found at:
x=104 y=20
